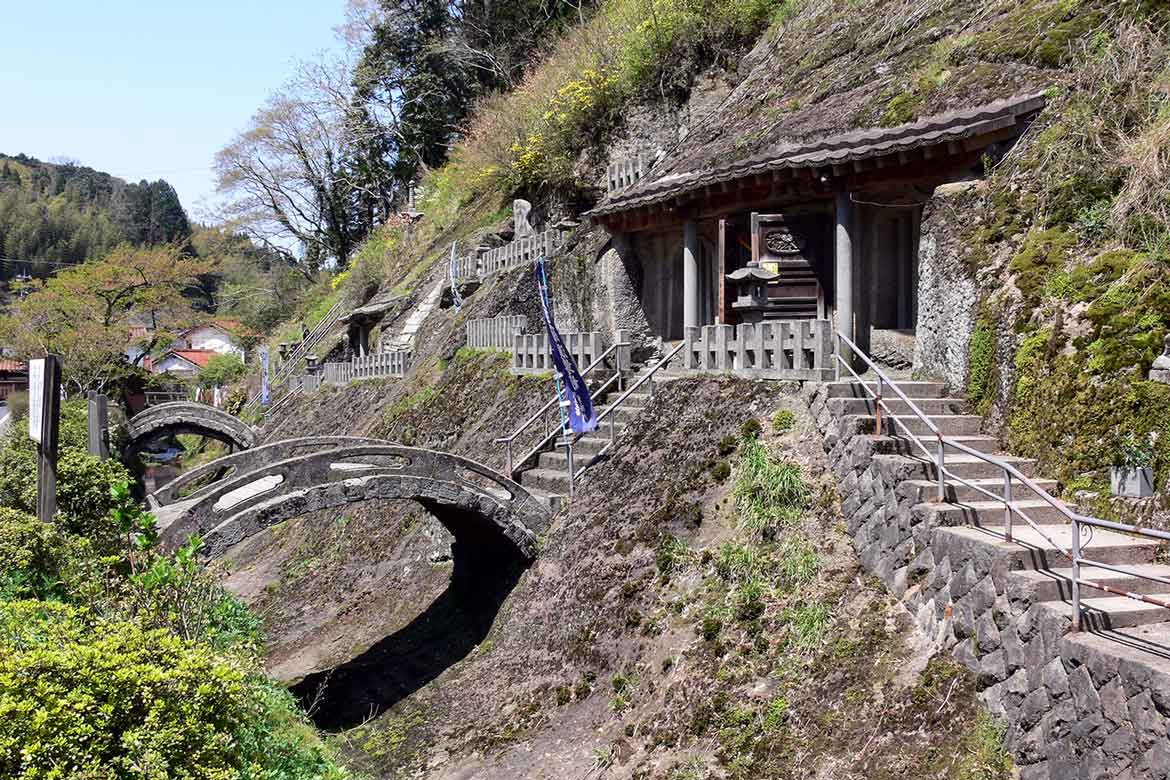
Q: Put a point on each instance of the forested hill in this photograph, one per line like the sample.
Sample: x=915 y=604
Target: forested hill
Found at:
x=67 y=213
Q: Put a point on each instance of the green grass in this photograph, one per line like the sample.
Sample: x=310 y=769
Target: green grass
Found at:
x=769 y=494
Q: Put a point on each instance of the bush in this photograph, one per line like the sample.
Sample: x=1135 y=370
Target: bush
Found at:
x=768 y=493
x=783 y=420
x=113 y=699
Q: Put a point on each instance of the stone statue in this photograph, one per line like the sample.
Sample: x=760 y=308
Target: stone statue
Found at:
x=521 y=217
x=1160 y=371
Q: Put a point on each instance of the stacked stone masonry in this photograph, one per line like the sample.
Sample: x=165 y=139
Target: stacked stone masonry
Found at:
x=1077 y=705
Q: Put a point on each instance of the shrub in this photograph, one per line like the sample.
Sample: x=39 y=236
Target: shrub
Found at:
x=720 y=471
x=114 y=699
x=783 y=420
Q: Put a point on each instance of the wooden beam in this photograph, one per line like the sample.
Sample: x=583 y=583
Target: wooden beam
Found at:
x=722 y=259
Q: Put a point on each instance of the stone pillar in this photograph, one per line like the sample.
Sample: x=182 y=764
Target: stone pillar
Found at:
x=843 y=257
x=691 y=275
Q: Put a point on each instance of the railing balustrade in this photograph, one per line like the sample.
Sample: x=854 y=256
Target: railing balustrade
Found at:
x=531 y=354
x=782 y=349
x=1080 y=525
x=495 y=332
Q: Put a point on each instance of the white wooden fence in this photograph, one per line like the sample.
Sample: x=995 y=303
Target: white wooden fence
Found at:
x=530 y=351
x=522 y=251
x=373 y=366
x=495 y=332
x=784 y=349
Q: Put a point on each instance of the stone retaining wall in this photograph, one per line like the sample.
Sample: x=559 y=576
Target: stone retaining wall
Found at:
x=1076 y=705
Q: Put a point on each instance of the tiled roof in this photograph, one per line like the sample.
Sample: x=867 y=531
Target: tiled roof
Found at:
x=832 y=150
x=10 y=366
x=200 y=357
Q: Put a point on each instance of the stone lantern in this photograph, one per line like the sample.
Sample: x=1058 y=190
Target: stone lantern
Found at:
x=751 y=284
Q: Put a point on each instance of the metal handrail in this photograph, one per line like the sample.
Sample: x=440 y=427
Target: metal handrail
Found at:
x=649 y=377
x=542 y=412
x=1011 y=506
x=289 y=365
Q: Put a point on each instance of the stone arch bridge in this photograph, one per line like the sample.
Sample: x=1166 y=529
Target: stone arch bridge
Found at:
x=262 y=486
x=187 y=417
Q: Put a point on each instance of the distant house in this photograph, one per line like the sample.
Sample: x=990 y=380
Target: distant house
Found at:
x=196 y=346
x=183 y=362
x=13 y=377
x=218 y=336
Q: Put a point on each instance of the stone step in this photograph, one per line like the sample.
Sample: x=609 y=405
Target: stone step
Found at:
x=595 y=442
x=1030 y=550
x=990 y=513
x=853 y=389
x=948 y=424
x=898 y=407
x=905 y=445
x=552 y=501
x=1105 y=613
x=545 y=480
x=924 y=490
x=1035 y=585
x=972 y=467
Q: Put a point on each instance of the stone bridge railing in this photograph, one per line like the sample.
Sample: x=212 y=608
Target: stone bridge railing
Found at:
x=306 y=475
x=785 y=349
x=495 y=332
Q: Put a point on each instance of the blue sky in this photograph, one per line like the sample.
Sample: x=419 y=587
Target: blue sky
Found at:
x=148 y=89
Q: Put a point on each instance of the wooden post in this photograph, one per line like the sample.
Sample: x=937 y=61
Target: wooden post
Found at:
x=47 y=436
x=99 y=417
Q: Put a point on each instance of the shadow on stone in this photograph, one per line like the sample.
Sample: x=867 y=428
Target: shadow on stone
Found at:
x=486 y=567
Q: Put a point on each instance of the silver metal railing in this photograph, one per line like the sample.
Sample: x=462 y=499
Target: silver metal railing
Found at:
x=290 y=363
x=542 y=414
x=1081 y=525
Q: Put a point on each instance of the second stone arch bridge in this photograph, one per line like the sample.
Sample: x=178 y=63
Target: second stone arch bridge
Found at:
x=235 y=497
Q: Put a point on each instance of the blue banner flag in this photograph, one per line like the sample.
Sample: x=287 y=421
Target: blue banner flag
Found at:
x=576 y=403
x=456 y=298
x=264 y=375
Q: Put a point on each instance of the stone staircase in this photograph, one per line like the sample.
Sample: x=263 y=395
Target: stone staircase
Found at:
x=548 y=479
x=404 y=339
x=1094 y=703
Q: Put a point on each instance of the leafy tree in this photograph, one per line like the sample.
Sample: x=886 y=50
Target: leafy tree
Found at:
x=221 y=370
x=85 y=314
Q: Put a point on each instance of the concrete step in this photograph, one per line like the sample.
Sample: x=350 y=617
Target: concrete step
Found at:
x=545 y=480
x=912 y=389
x=924 y=490
x=1105 y=613
x=972 y=467
x=898 y=407
x=1055 y=584
x=948 y=424
x=990 y=513
x=1030 y=550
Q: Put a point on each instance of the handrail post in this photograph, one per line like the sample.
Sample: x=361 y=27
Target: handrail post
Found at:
x=508 y=449
x=618 y=355
x=569 y=458
x=941 y=466
x=1076 y=574
x=1007 y=502
x=877 y=409
x=612 y=425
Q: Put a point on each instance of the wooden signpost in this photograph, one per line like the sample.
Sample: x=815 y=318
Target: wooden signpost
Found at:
x=44 y=426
